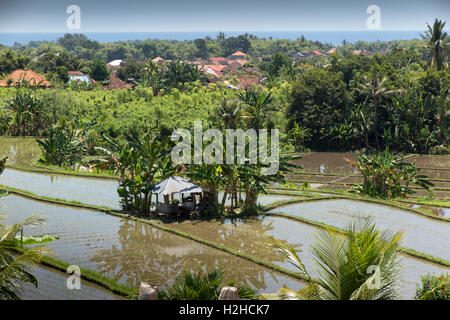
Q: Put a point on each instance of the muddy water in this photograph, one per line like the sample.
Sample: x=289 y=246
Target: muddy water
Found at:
x=327 y=162
x=438 y=162
x=436 y=174
x=20 y=150
x=130 y=251
x=420 y=233
x=52 y=286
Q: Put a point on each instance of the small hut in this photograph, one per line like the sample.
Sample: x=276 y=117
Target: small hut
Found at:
x=178 y=185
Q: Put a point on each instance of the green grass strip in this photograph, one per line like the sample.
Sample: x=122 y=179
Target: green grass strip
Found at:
x=360 y=197
x=316 y=224
x=60 y=171
x=88 y=275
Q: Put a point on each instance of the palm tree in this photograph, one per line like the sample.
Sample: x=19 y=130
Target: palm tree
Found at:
x=360 y=265
x=375 y=88
x=14 y=269
x=258 y=107
x=202 y=286
x=436 y=43
x=227 y=113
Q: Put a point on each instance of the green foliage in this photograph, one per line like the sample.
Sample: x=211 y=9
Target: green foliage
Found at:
x=362 y=264
x=142 y=161
x=27 y=240
x=10 y=61
x=27 y=111
x=202 y=286
x=433 y=288
x=2 y=164
x=98 y=70
x=64 y=145
x=387 y=176
x=436 y=42
x=15 y=269
x=319 y=102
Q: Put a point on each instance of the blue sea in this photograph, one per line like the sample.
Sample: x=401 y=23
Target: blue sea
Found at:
x=333 y=37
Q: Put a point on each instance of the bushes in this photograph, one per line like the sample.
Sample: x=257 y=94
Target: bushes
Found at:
x=433 y=288
x=201 y=286
x=387 y=176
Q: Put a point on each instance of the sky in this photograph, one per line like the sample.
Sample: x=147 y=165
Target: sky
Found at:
x=213 y=15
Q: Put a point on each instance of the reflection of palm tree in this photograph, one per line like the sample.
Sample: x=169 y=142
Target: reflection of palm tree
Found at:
x=436 y=44
x=148 y=254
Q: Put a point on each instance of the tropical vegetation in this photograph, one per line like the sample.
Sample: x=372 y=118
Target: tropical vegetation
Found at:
x=360 y=264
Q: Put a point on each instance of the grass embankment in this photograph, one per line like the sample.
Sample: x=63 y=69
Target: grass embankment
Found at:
x=349 y=196
x=89 y=275
x=160 y=225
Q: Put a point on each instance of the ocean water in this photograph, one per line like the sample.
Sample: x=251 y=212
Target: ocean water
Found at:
x=333 y=37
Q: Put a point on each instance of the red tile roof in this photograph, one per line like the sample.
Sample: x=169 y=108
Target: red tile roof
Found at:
x=317 y=53
x=115 y=82
x=238 y=53
x=29 y=75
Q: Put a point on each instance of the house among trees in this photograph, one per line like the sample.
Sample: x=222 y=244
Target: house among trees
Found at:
x=115 y=82
x=17 y=76
x=239 y=55
x=80 y=76
x=116 y=63
x=218 y=60
x=158 y=60
x=330 y=52
x=297 y=56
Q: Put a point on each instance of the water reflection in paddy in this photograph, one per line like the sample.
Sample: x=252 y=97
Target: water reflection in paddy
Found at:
x=130 y=251
x=20 y=150
x=99 y=192
x=86 y=190
x=420 y=233
x=250 y=236
x=52 y=285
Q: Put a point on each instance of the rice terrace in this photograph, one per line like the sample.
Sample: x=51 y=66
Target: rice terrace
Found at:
x=338 y=189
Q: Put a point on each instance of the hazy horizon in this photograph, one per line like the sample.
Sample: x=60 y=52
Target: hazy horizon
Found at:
x=50 y=16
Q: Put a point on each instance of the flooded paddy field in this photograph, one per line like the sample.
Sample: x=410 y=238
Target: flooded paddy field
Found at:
x=420 y=233
x=251 y=236
x=52 y=285
x=100 y=192
x=430 y=161
x=93 y=191
x=327 y=162
x=130 y=251
x=20 y=150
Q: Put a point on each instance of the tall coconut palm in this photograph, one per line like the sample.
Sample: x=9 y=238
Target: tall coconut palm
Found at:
x=258 y=107
x=375 y=86
x=14 y=268
x=362 y=264
x=436 y=43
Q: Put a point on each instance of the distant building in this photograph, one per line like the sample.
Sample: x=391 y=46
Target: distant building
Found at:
x=116 y=63
x=115 y=82
x=238 y=55
x=218 y=60
x=298 y=55
x=331 y=51
x=310 y=54
x=158 y=60
x=80 y=76
x=19 y=75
